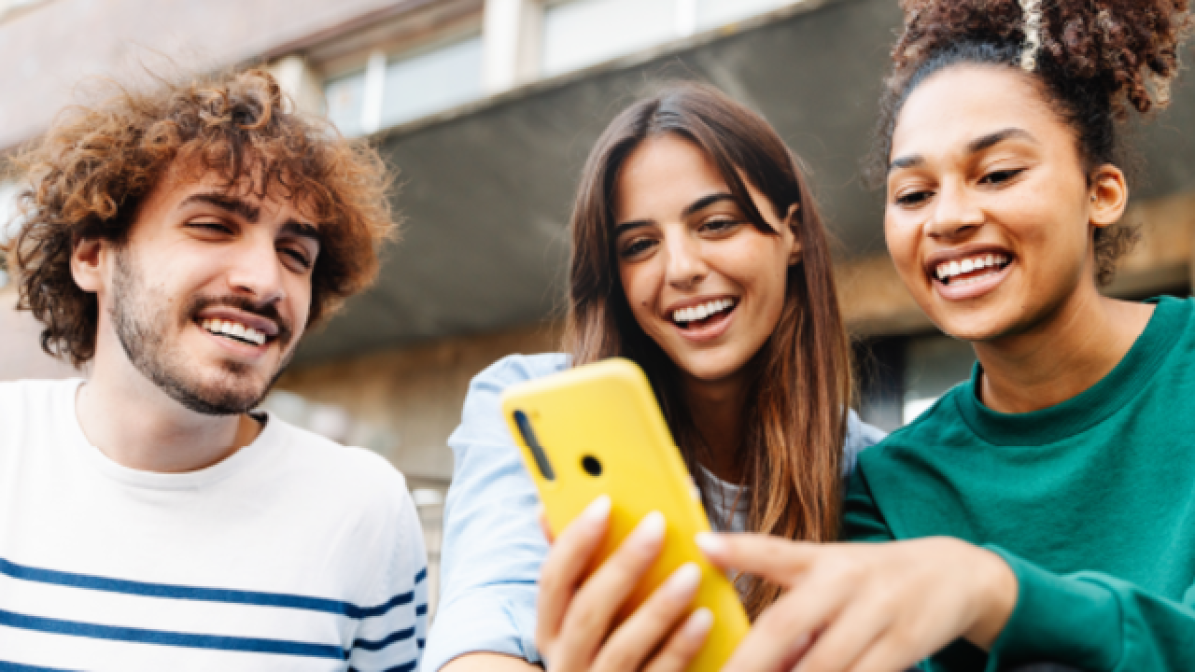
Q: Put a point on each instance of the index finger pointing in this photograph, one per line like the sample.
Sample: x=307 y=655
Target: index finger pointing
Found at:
x=770 y=557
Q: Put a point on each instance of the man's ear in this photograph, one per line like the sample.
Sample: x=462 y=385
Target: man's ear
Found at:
x=790 y=220
x=89 y=262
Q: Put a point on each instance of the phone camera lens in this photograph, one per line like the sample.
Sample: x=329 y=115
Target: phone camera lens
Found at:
x=591 y=465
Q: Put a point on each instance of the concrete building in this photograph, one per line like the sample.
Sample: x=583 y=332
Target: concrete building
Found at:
x=488 y=109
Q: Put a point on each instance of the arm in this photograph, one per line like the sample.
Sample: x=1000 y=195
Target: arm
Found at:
x=489 y=662
x=493 y=547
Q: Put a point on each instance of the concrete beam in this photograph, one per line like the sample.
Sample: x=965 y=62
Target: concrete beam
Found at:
x=511 y=33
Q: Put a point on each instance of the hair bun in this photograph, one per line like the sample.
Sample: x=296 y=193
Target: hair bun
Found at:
x=1127 y=48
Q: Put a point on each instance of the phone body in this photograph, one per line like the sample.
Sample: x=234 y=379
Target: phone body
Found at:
x=597 y=429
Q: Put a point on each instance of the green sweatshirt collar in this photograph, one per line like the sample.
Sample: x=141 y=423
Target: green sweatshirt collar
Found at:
x=1094 y=405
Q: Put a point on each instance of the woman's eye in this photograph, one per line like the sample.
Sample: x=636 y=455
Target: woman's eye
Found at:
x=637 y=247
x=720 y=225
x=1000 y=176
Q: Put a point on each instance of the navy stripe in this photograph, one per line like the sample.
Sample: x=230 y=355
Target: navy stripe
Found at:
x=164 y=638
x=421 y=642
x=378 y=645
x=198 y=594
x=421 y=610
x=405 y=667
x=421 y=575
x=6 y=666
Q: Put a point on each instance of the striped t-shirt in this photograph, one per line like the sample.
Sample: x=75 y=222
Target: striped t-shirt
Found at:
x=293 y=554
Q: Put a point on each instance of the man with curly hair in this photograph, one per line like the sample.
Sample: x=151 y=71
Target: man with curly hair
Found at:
x=176 y=242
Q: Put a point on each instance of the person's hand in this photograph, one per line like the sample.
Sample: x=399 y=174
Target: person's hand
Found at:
x=576 y=628
x=866 y=607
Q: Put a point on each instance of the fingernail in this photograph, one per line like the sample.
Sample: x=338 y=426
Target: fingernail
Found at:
x=684 y=581
x=710 y=544
x=650 y=529
x=598 y=510
x=698 y=625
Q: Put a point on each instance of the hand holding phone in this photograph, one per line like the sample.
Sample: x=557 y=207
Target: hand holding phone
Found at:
x=596 y=430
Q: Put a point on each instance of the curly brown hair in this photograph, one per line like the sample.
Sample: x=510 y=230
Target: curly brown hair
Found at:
x=87 y=176
x=1098 y=59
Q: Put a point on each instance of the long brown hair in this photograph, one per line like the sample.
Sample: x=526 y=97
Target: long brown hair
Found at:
x=801 y=381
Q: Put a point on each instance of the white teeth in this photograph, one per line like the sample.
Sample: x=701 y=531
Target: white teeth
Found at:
x=234 y=329
x=947 y=270
x=702 y=311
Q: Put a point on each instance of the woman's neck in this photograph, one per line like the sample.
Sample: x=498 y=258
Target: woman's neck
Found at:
x=1061 y=357
x=717 y=412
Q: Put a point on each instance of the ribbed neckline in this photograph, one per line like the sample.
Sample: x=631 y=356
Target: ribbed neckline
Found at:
x=1091 y=407
x=191 y=480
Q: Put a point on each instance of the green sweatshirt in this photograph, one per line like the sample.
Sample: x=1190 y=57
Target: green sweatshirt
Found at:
x=1091 y=502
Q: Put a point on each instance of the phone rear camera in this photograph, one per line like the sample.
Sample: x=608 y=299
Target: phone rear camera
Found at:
x=537 y=451
x=591 y=465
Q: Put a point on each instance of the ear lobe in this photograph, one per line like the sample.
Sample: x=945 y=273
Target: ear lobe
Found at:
x=790 y=219
x=87 y=264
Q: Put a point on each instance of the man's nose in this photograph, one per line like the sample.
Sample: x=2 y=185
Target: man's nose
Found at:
x=255 y=269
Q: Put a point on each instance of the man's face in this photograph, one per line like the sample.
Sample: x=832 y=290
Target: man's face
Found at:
x=211 y=292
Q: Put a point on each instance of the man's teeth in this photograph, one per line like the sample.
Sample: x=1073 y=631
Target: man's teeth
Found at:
x=702 y=311
x=234 y=329
x=950 y=269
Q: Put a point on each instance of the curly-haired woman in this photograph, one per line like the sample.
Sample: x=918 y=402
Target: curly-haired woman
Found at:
x=1046 y=504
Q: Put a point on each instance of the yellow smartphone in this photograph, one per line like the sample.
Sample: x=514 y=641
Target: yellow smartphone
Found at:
x=597 y=430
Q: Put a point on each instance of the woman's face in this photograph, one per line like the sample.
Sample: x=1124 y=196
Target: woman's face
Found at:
x=701 y=281
x=989 y=210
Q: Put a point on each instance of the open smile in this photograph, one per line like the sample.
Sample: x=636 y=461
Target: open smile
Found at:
x=705 y=320
x=970 y=275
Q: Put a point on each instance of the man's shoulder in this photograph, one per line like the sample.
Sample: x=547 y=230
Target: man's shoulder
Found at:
x=26 y=399
x=342 y=476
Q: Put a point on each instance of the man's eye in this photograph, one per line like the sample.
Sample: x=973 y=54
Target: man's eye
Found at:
x=913 y=198
x=208 y=225
x=999 y=176
x=299 y=257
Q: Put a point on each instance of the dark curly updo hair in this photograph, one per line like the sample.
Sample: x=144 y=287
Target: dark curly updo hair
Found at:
x=1095 y=59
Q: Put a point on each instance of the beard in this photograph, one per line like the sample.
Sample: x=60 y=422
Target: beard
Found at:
x=145 y=327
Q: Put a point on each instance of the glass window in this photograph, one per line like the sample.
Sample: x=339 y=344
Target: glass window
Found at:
x=578 y=33
x=346 y=102
x=933 y=365
x=432 y=80
x=711 y=13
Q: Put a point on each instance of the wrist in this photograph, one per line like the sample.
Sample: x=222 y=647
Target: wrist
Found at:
x=996 y=599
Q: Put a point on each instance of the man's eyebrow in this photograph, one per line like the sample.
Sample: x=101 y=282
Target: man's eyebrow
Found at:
x=906 y=162
x=992 y=139
x=229 y=203
x=302 y=229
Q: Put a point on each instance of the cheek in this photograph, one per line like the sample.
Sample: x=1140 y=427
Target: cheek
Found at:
x=641 y=284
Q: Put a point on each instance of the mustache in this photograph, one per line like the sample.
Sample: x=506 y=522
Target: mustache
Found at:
x=268 y=310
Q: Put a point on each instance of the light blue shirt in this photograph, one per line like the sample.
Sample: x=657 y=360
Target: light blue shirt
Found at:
x=493 y=545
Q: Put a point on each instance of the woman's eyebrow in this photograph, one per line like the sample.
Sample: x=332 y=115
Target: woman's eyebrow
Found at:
x=705 y=202
x=627 y=226
x=992 y=139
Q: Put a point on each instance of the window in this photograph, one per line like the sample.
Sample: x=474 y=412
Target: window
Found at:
x=583 y=32
x=578 y=33
x=933 y=365
x=432 y=80
x=713 y=13
x=391 y=91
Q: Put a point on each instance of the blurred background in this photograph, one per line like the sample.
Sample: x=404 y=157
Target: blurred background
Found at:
x=487 y=109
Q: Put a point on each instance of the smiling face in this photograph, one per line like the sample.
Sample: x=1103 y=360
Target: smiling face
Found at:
x=701 y=281
x=989 y=208
x=210 y=293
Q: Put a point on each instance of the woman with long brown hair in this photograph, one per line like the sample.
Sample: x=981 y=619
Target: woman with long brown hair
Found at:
x=697 y=252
